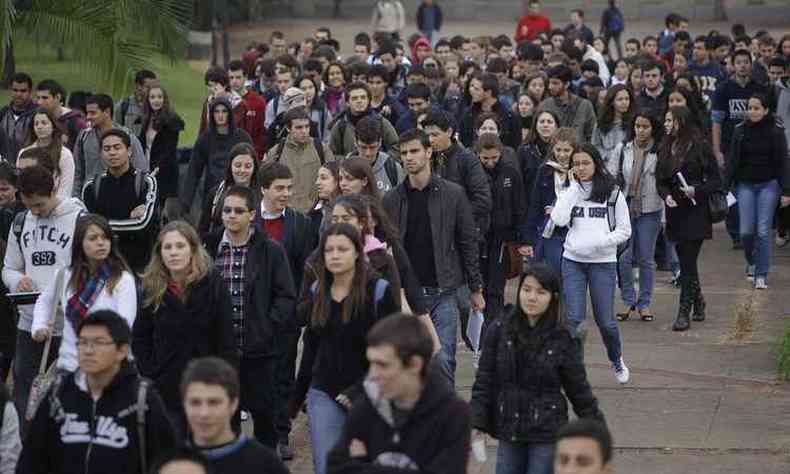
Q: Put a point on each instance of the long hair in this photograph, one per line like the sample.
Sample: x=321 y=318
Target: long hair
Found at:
x=607 y=114
x=385 y=230
x=80 y=268
x=602 y=182
x=157 y=277
x=356 y=205
x=694 y=104
x=359 y=168
x=242 y=149
x=355 y=303
x=533 y=135
x=655 y=125
x=55 y=147
x=334 y=169
x=548 y=278
x=673 y=151
x=164 y=115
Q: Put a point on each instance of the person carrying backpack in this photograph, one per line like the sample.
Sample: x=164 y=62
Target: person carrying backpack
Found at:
x=612 y=26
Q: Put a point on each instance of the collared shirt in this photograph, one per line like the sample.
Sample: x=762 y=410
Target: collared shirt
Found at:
x=230 y=262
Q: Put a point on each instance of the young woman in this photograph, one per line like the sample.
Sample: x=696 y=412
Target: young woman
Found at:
x=682 y=97
x=635 y=79
x=525 y=108
x=343 y=304
x=589 y=259
x=356 y=177
x=529 y=369
x=159 y=137
x=185 y=314
x=684 y=152
x=758 y=174
x=319 y=113
x=44 y=132
x=535 y=149
x=242 y=170
x=634 y=166
x=334 y=96
x=613 y=121
x=535 y=86
x=98 y=278
x=327 y=184
x=488 y=122
x=621 y=73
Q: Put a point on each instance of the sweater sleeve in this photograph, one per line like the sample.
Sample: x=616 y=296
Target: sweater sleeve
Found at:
x=78 y=156
x=65 y=188
x=13 y=263
x=10 y=443
x=561 y=213
x=126 y=295
x=197 y=164
x=139 y=161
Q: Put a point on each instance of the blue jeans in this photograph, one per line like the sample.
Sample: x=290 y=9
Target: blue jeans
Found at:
x=600 y=278
x=326 y=420
x=644 y=231
x=756 y=208
x=444 y=314
x=528 y=458
x=549 y=251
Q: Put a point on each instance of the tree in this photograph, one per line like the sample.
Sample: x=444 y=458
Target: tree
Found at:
x=112 y=38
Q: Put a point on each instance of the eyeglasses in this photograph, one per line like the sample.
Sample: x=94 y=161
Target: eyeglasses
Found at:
x=93 y=344
x=235 y=210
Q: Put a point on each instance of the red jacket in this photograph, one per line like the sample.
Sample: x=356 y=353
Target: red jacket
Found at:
x=534 y=24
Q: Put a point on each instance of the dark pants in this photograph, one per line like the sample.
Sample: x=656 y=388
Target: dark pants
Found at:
x=8 y=321
x=733 y=223
x=258 y=396
x=616 y=37
x=284 y=383
x=688 y=254
x=26 y=366
x=492 y=264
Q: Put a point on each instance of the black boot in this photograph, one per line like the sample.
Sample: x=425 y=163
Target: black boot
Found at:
x=682 y=322
x=699 y=302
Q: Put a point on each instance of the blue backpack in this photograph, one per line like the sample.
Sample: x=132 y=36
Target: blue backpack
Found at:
x=378 y=293
x=615 y=23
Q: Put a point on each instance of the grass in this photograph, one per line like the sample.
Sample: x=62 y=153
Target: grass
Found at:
x=784 y=355
x=183 y=83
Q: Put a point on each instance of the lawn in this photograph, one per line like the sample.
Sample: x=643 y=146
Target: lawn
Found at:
x=184 y=83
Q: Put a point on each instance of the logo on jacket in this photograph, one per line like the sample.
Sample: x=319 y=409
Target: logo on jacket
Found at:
x=108 y=432
x=46 y=233
x=396 y=460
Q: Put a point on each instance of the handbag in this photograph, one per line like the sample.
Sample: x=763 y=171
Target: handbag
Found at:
x=717 y=204
x=514 y=260
x=46 y=375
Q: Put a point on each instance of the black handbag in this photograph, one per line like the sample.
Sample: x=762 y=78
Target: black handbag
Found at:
x=717 y=204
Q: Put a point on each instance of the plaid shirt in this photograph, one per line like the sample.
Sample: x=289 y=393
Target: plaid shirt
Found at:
x=230 y=263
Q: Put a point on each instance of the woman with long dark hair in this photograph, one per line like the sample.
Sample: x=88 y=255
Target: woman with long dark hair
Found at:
x=327 y=184
x=683 y=97
x=45 y=132
x=343 y=304
x=529 y=369
x=316 y=107
x=596 y=213
x=535 y=149
x=334 y=96
x=356 y=177
x=614 y=120
x=687 y=173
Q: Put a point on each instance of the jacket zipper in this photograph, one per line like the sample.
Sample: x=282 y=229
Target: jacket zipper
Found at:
x=92 y=433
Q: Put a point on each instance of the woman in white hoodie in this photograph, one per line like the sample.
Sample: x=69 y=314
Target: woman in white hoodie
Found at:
x=98 y=278
x=596 y=214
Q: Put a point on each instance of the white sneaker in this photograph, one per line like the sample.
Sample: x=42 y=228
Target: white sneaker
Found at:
x=782 y=241
x=621 y=372
x=760 y=284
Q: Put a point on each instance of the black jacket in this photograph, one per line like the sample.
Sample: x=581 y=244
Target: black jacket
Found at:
x=455 y=246
x=542 y=195
x=166 y=338
x=270 y=295
x=509 y=215
x=163 y=154
x=530 y=157
x=13 y=132
x=518 y=391
x=777 y=143
x=437 y=18
x=83 y=436
x=434 y=437
x=510 y=128
x=298 y=240
x=245 y=455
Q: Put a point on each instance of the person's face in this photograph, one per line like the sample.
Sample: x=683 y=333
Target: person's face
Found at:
x=320 y=35
x=756 y=110
x=96 y=245
x=444 y=53
x=489 y=158
x=562 y=152
x=368 y=151
x=556 y=87
x=216 y=89
x=548 y=48
x=300 y=130
x=557 y=41
x=451 y=70
x=534 y=8
x=42 y=126
x=643 y=130
x=308 y=88
x=579 y=456
x=349 y=184
x=776 y=73
x=546 y=126
x=721 y=52
x=576 y=19
x=533 y=298
x=440 y=139
x=47 y=100
x=651 y=47
x=388 y=371
x=507 y=52
x=415 y=157
x=621 y=71
x=525 y=106
x=236 y=78
x=652 y=79
x=97 y=352
x=96 y=116
x=699 y=54
x=683 y=26
x=114 y=153
x=314 y=75
x=278 y=194
x=377 y=85
x=743 y=66
x=358 y=101
x=335 y=77
x=284 y=81
x=475 y=50
x=279 y=47
x=236 y=216
x=209 y=410
x=729 y=69
x=622 y=102
x=636 y=79
x=466 y=50
x=531 y=66
x=20 y=94
x=341 y=215
x=417 y=105
x=755 y=47
x=361 y=51
x=588 y=74
x=488 y=126
x=598 y=45
x=741 y=45
x=388 y=61
x=430 y=63
x=221 y=116
x=182 y=466
x=679 y=63
x=340 y=255
x=422 y=51
x=536 y=88
x=631 y=50
x=399 y=55
x=786 y=48
x=156 y=98
x=176 y=252
x=680 y=46
x=670 y=124
x=326 y=184
x=39 y=206
x=583 y=166
x=676 y=99
x=242 y=168
x=7 y=193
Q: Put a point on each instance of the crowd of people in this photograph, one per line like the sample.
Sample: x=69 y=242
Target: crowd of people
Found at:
x=368 y=205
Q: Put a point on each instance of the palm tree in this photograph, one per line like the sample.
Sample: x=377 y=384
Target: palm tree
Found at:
x=110 y=38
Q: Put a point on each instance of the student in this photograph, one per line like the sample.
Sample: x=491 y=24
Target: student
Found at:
x=130 y=111
x=97 y=279
x=10 y=206
x=590 y=250
x=327 y=184
x=356 y=177
x=429 y=20
x=89 y=422
x=515 y=378
x=536 y=147
x=384 y=104
x=51 y=96
x=15 y=117
x=254 y=106
x=484 y=92
x=613 y=122
x=186 y=313
x=573 y=111
x=407 y=419
x=182 y=460
x=532 y=24
x=44 y=132
x=242 y=171
x=126 y=197
x=320 y=116
x=32 y=263
x=653 y=96
x=345 y=302
x=342 y=140
x=583 y=445
x=612 y=27
x=387 y=172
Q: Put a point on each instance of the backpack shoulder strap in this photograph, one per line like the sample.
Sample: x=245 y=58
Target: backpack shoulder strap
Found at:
x=620 y=177
x=18 y=226
x=319 y=148
x=611 y=204
x=278 y=150
x=97 y=186
x=392 y=171
x=141 y=409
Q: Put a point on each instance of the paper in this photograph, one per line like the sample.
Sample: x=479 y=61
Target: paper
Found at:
x=479 y=450
x=731 y=200
x=683 y=183
x=474 y=328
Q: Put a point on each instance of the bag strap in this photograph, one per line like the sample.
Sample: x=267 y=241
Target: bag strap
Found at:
x=42 y=367
x=611 y=205
x=142 y=407
x=319 y=148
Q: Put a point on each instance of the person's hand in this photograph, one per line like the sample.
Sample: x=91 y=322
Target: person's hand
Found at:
x=41 y=335
x=524 y=30
x=343 y=401
x=138 y=211
x=688 y=191
x=26 y=284
x=719 y=158
x=478 y=302
x=357 y=449
x=785 y=201
x=670 y=201
x=548 y=209
x=526 y=251
x=386 y=111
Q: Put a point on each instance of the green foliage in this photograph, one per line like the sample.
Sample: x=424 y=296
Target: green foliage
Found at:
x=784 y=355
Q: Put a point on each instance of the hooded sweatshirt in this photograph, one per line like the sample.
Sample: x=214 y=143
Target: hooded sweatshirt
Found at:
x=384 y=170
x=45 y=247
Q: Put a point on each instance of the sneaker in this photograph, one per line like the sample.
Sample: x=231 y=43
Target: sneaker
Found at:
x=621 y=372
x=781 y=240
x=750 y=272
x=285 y=450
x=760 y=284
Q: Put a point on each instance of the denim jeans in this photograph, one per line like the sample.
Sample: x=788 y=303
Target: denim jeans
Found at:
x=549 y=251
x=644 y=231
x=528 y=458
x=326 y=418
x=756 y=207
x=444 y=314
x=600 y=278
x=26 y=364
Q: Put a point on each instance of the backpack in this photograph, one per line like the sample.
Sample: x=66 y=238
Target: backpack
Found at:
x=319 y=148
x=615 y=23
x=125 y=108
x=611 y=218
x=378 y=293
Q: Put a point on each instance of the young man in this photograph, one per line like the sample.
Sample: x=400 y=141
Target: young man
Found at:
x=129 y=111
x=572 y=110
x=254 y=106
x=52 y=96
x=101 y=417
x=583 y=446
x=39 y=244
x=654 y=95
x=707 y=72
x=341 y=137
x=382 y=103
x=278 y=44
x=362 y=46
x=577 y=26
x=10 y=206
x=532 y=24
x=385 y=55
x=262 y=293
x=126 y=197
x=387 y=171
x=667 y=37
x=88 y=162
x=218 y=86
x=632 y=48
x=418 y=97
x=429 y=209
x=284 y=81
x=182 y=460
x=429 y=20
x=15 y=117
x=409 y=420
x=484 y=89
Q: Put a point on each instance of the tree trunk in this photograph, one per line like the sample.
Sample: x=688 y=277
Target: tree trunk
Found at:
x=9 y=66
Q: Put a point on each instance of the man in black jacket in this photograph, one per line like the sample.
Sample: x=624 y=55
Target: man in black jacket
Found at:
x=484 y=90
x=410 y=420
x=262 y=296
x=427 y=208
x=91 y=420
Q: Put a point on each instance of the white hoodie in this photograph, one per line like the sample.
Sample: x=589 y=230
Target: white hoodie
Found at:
x=46 y=247
x=589 y=239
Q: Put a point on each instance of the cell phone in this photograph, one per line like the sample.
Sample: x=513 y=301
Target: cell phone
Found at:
x=24 y=297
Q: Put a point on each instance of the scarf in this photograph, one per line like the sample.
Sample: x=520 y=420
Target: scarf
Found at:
x=635 y=186
x=80 y=302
